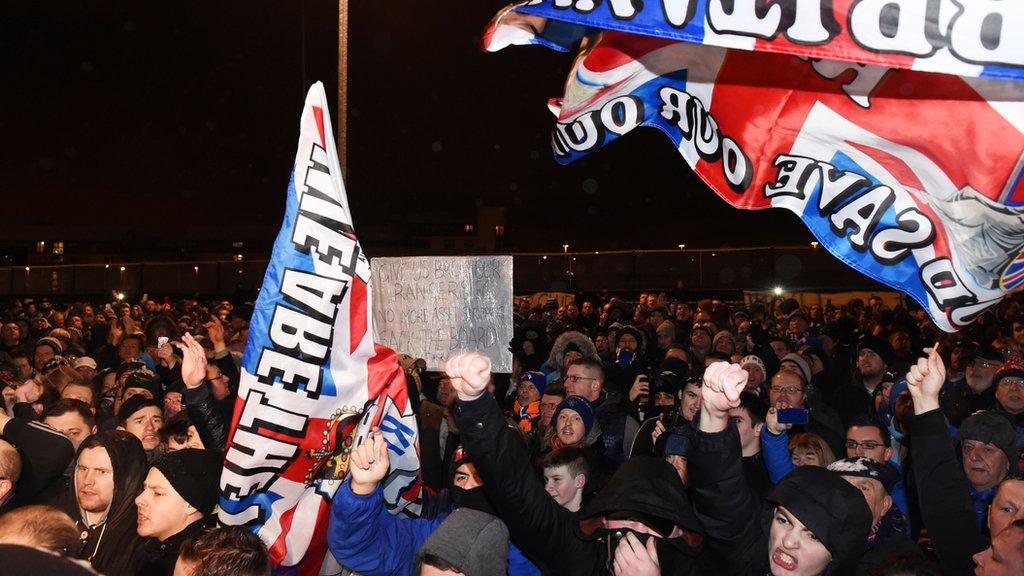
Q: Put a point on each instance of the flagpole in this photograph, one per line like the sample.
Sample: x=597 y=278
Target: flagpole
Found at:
x=342 y=106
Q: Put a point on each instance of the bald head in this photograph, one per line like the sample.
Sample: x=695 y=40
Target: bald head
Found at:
x=10 y=468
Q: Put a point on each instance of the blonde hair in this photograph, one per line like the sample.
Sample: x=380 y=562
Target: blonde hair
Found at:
x=811 y=442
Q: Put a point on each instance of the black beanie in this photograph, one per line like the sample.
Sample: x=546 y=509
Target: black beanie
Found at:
x=133 y=405
x=195 y=476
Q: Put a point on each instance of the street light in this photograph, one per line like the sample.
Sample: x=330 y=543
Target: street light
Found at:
x=681 y=246
x=778 y=291
x=814 y=244
x=565 y=248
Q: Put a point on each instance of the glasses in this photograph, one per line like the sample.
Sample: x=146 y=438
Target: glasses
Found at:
x=574 y=378
x=787 y=390
x=1012 y=383
x=853 y=445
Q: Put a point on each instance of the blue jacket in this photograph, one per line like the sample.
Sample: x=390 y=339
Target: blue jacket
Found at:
x=365 y=538
x=775 y=450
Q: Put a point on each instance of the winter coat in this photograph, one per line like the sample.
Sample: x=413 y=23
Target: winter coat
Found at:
x=161 y=556
x=611 y=416
x=205 y=414
x=738 y=525
x=889 y=539
x=365 y=538
x=943 y=492
x=555 y=359
x=551 y=535
x=113 y=547
x=45 y=455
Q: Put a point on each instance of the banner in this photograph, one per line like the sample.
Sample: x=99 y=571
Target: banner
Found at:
x=973 y=38
x=435 y=307
x=313 y=381
x=912 y=178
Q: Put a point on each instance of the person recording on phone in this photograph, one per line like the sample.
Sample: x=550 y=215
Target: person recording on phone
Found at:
x=792 y=401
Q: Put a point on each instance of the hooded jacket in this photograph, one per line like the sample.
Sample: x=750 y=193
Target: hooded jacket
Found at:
x=113 y=547
x=738 y=526
x=556 y=358
x=552 y=536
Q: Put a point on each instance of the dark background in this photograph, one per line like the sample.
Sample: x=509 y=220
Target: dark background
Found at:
x=167 y=131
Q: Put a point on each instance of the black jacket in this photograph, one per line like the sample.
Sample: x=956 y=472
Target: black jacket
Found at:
x=45 y=455
x=162 y=556
x=737 y=523
x=548 y=534
x=891 y=538
x=207 y=417
x=944 y=494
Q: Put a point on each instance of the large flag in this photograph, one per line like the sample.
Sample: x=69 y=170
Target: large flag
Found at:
x=313 y=380
x=963 y=37
x=912 y=178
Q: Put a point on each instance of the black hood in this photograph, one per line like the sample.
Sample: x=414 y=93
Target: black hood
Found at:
x=646 y=488
x=830 y=507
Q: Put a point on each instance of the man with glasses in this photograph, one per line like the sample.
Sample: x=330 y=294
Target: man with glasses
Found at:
x=788 y=389
x=585 y=377
x=867 y=437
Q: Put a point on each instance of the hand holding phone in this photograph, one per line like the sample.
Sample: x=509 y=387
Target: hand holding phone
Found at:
x=798 y=416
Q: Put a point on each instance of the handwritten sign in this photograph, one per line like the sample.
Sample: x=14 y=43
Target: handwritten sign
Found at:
x=432 y=307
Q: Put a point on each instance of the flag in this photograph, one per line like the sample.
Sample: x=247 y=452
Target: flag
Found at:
x=973 y=38
x=313 y=382
x=912 y=178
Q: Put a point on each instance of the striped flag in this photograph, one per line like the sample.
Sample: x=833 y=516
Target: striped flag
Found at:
x=313 y=381
x=912 y=178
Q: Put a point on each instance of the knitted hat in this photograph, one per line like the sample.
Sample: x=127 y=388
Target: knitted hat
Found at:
x=53 y=343
x=800 y=363
x=992 y=428
x=134 y=404
x=704 y=329
x=879 y=346
x=579 y=405
x=539 y=381
x=666 y=328
x=1011 y=369
x=194 y=474
x=862 y=467
x=473 y=542
x=755 y=361
x=986 y=352
x=722 y=335
x=84 y=362
x=146 y=381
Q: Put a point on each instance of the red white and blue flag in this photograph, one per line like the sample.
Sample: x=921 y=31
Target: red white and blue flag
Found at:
x=912 y=178
x=313 y=381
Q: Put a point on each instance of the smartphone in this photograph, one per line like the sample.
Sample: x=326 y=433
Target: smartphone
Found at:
x=670 y=418
x=161 y=340
x=624 y=357
x=794 y=416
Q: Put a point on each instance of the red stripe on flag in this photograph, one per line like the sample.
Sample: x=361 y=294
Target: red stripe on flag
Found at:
x=279 y=548
x=318 y=113
x=317 y=551
x=357 y=324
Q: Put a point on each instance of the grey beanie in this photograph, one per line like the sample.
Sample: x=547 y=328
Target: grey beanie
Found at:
x=474 y=542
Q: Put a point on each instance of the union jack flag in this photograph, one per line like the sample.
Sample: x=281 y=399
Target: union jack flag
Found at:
x=313 y=381
x=912 y=178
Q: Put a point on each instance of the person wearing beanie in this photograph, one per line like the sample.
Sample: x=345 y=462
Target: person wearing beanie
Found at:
x=568 y=347
x=468 y=542
x=46 y=349
x=812 y=522
x=757 y=374
x=874 y=356
x=526 y=409
x=889 y=534
x=572 y=422
x=177 y=500
x=724 y=342
x=142 y=417
x=666 y=332
x=976 y=391
x=1009 y=385
x=947 y=489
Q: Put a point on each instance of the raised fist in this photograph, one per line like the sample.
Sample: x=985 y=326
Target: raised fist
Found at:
x=925 y=380
x=369 y=463
x=470 y=373
x=720 y=393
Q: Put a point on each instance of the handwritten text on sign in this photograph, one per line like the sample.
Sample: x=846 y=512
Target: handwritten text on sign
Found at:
x=433 y=307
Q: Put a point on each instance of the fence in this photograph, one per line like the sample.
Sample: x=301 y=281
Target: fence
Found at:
x=792 y=267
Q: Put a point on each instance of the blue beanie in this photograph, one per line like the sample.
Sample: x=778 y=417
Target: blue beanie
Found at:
x=581 y=406
x=539 y=380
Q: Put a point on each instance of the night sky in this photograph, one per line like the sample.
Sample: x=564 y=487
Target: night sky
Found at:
x=176 y=123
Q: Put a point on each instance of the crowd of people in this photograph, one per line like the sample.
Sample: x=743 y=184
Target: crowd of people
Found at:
x=112 y=434
x=649 y=436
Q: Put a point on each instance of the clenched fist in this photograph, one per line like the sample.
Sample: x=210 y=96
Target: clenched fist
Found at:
x=720 y=393
x=470 y=373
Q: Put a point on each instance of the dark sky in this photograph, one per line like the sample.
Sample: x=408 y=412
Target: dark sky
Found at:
x=176 y=123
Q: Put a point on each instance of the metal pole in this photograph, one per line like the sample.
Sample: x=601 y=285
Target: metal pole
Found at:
x=342 y=107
